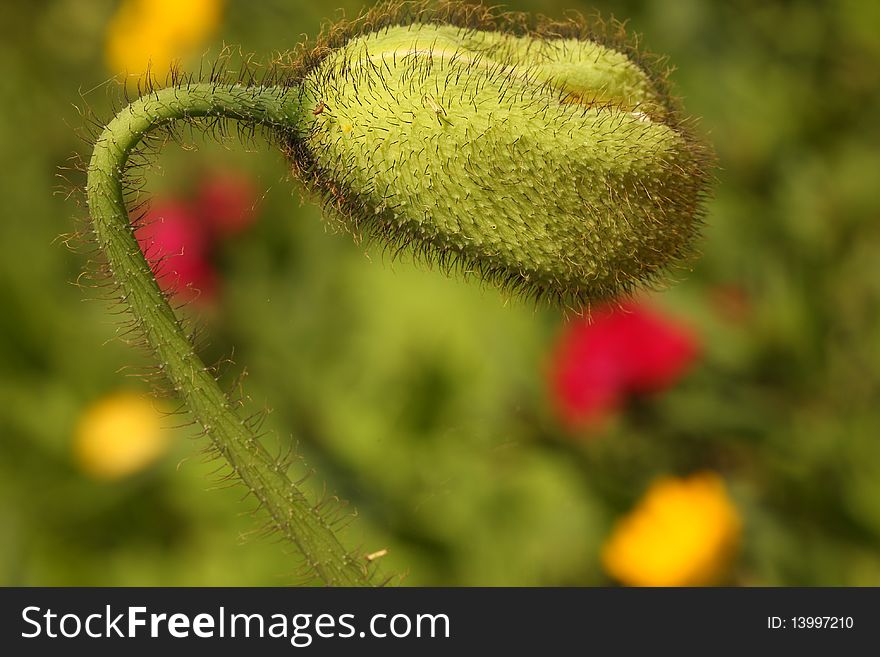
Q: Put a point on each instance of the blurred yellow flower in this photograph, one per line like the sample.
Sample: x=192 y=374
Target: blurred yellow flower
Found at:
x=119 y=435
x=682 y=533
x=154 y=33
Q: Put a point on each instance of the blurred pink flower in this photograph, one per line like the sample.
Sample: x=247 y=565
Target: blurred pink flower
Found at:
x=226 y=202
x=617 y=352
x=177 y=245
x=179 y=237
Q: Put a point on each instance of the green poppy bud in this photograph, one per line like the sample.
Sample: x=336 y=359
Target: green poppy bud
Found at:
x=552 y=164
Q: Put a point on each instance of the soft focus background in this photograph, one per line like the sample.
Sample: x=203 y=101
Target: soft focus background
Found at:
x=724 y=431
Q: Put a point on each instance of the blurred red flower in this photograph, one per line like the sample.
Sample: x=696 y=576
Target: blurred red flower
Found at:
x=226 y=202
x=617 y=352
x=179 y=237
x=176 y=244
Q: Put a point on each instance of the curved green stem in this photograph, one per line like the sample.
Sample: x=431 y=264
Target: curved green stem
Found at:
x=279 y=109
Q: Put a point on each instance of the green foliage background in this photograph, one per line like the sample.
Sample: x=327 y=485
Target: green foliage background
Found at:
x=422 y=399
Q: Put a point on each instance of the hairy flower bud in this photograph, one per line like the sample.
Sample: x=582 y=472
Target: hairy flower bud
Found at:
x=546 y=161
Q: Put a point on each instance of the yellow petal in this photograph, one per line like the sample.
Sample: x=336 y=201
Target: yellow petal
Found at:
x=682 y=533
x=155 y=33
x=119 y=435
